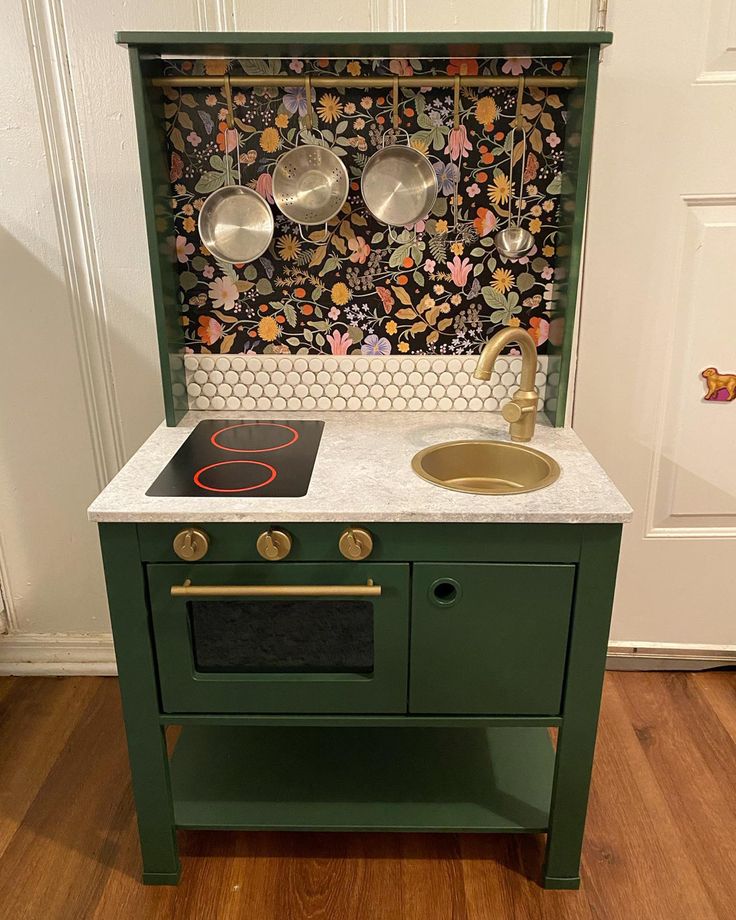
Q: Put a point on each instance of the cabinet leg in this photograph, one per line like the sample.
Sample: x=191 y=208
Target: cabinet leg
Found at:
x=149 y=767
x=586 y=661
x=568 y=810
x=149 y=762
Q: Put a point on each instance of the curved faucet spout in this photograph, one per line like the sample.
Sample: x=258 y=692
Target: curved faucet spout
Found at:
x=493 y=348
x=521 y=411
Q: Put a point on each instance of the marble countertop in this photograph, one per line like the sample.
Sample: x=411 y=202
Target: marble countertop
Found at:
x=363 y=473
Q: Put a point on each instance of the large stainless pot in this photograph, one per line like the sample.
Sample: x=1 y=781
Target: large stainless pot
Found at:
x=399 y=184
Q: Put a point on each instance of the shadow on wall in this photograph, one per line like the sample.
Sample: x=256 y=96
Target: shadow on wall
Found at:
x=48 y=448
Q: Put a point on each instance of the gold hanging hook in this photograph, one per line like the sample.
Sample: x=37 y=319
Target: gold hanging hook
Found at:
x=309 y=120
x=229 y=100
x=456 y=115
x=395 y=98
x=518 y=119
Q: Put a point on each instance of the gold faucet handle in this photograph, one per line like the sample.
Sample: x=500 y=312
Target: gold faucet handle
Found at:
x=513 y=412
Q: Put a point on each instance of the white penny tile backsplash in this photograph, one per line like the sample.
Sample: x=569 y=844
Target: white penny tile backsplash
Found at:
x=349 y=382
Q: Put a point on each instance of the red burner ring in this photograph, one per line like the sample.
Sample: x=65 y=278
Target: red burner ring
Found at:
x=260 y=485
x=257 y=450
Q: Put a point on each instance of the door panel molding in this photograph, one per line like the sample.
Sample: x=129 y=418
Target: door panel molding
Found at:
x=683 y=500
x=719 y=44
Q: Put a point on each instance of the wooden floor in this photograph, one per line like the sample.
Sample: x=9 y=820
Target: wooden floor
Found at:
x=661 y=840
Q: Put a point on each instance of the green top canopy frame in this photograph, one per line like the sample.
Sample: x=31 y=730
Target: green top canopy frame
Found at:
x=147 y=49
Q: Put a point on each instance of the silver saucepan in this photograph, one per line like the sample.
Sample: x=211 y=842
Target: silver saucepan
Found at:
x=236 y=223
x=399 y=184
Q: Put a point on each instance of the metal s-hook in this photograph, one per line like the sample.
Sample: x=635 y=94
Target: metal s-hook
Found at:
x=456 y=113
x=395 y=99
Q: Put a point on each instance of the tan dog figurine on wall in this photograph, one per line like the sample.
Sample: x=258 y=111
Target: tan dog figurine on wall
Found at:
x=718 y=382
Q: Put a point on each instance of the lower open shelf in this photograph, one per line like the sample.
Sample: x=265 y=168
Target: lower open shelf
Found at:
x=390 y=779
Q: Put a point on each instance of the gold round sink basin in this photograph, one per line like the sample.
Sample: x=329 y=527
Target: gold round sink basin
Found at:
x=485 y=467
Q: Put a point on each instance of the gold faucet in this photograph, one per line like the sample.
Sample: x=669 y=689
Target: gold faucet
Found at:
x=521 y=412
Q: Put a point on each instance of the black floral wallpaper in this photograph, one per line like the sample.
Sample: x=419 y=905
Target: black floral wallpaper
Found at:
x=441 y=289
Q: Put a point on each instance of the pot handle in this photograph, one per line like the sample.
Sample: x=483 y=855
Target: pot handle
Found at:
x=315 y=131
x=394 y=132
x=310 y=241
x=394 y=238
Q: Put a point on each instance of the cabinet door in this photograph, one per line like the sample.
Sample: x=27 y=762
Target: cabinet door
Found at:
x=240 y=642
x=489 y=638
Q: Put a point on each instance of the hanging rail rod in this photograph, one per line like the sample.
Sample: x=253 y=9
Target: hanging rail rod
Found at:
x=368 y=82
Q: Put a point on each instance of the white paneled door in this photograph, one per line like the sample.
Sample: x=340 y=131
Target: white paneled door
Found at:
x=659 y=307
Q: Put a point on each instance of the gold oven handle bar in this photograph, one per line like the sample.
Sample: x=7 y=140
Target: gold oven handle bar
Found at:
x=546 y=82
x=190 y=590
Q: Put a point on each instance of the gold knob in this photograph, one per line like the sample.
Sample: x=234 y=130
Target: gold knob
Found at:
x=191 y=544
x=512 y=412
x=355 y=543
x=274 y=545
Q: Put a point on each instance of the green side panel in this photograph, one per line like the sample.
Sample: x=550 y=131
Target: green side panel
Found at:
x=363 y=44
x=126 y=591
x=187 y=690
x=391 y=542
x=573 y=198
x=378 y=779
x=583 y=684
x=489 y=638
x=148 y=106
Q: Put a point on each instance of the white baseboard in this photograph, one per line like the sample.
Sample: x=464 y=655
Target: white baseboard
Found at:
x=667 y=656
x=83 y=653
x=56 y=654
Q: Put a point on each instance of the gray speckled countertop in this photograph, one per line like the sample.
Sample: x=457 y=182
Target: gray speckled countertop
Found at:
x=363 y=473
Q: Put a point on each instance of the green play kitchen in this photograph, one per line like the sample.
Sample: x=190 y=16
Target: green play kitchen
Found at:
x=363 y=573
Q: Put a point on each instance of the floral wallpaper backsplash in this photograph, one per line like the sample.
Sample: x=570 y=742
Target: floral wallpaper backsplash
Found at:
x=440 y=289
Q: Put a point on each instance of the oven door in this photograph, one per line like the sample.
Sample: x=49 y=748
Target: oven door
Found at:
x=281 y=637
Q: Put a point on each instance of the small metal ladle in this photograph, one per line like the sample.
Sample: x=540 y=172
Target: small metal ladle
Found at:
x=515 y=241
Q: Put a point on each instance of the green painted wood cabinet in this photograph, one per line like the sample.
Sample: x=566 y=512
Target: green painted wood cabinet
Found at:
x=484 y=637
x=489 y=638
x=446 y=728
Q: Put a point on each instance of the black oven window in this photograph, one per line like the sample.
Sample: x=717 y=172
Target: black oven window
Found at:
x=275 y=636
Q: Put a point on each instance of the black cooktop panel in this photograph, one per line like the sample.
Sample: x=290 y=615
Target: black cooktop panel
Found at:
x=243 y=459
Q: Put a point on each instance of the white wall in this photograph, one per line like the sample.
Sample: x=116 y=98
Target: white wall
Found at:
x=82 y=392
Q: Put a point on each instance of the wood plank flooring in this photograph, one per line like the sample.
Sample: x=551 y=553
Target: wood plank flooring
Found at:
x=660 y=839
